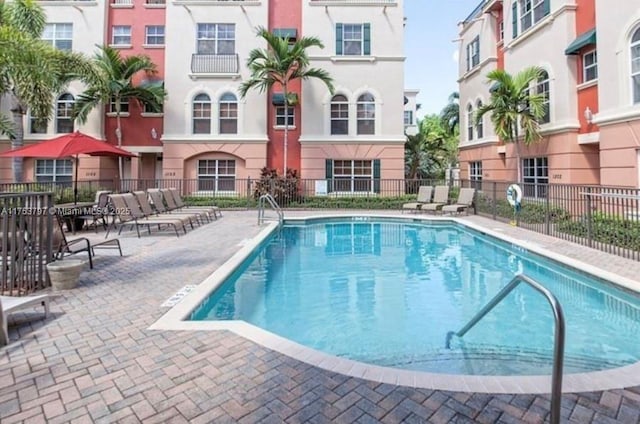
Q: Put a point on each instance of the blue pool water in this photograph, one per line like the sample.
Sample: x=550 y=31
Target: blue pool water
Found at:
x=387 y=293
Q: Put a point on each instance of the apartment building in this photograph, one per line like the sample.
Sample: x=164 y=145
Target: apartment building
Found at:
x=590 y=53
x=208 y=132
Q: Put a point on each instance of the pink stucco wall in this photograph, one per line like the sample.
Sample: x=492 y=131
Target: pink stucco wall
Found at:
x=619 y=146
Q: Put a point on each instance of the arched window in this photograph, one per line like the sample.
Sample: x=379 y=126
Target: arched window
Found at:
x=366 y=114
x=64 y=121
x=228 y=114
x=339 y=115
x=201 y=115
x=480 y=123
x=470 y=122
x=635 y=65
x=542 y=88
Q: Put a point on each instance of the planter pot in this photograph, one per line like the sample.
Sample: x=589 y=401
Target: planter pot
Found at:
x=64 y=275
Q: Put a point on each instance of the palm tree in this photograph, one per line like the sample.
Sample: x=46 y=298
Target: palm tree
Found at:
x=425 y=151
x=32 y=72
x=450 y=114
x=514 y=104
x=280 y=64
x=114 y=84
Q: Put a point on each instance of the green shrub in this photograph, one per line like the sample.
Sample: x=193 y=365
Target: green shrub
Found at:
x=221 y=202
x=530 y=212
x=284 y=191
x=609 y=229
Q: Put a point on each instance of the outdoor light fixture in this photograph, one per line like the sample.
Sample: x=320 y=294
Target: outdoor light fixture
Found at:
x=154 y=133
x=588 y=115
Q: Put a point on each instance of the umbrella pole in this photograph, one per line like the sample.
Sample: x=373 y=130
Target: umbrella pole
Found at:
x=75 y=184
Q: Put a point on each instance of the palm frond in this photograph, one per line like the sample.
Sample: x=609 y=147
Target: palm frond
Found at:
x=27 y=16
x=6 y=126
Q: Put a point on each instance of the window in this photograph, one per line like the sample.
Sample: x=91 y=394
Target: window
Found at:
x=353 y=175
x=635 y=66
x=228 y=114
x=501 y=31
x=217 y=175
x=121 y=35
x=37 y=126
x=542 y=88
x=366 y=114
x=124 y=106
x=54 y=170
x=473 y=53
x=64 y=106
x=154 y=35
x=280 y=118
x=469 y=123
x=590 y=66
x=480 y=123
x=408 y=117
x=339 y=115
x=532 y=12
x=59 y=36
x=201 y=115
x=475 y=174
x=216 y=39
x=535 y=173
x=353 y=39
x=146 y=108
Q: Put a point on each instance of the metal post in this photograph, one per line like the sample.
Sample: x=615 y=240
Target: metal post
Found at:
x=547 y=211
x=494 y=205
x=589 y=223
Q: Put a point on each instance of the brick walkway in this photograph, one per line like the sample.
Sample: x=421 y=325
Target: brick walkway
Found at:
x=94 y=360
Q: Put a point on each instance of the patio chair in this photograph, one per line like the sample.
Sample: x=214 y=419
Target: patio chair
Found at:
x=157 y=197
x=424 y=196
x=62 y=246
x=148 y=211
x=440 y=198
x=99 y=213
x=179 y=204
x=10 y=304
x=465 y=200
x=128 y=213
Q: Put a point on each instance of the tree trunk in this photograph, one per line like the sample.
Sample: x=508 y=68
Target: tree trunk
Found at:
x=18 y=121
x=286 y=128
x=518 y=160
x=119 y=138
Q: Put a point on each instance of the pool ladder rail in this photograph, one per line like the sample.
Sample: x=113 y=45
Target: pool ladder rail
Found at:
x=559 y=336
x=262 y=202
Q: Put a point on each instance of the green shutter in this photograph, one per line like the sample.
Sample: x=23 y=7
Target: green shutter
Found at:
x=367 y=39
x=338 y=39
x=376 y=175
x=547 y=7
x=328 y=164
x=514 y=18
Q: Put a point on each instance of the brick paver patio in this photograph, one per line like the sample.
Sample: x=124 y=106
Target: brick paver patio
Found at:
x=94 y=360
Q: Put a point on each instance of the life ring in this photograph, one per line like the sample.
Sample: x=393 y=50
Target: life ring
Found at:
x=514 y=195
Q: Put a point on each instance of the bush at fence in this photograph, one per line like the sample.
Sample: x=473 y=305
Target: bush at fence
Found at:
x=373 y=202
x=530 y=213
x=221 y=202
x=605 y=228
x=283 y=190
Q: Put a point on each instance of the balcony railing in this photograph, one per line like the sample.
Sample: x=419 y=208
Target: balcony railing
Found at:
x=155 y=1
x=122 y=2
x=215 y=63
x=348 y=2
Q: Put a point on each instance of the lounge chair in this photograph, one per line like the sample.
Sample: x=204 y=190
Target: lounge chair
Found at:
x=465 y=200
x=99 y=211
x=440 y=199
x=180 y=205
x=157 y=197
x=148 y=211
x=424 y=196
x=128 y=213
x=62 y=246
x=10 y=304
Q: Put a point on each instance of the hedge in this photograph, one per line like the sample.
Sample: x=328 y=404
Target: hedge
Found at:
x=607 y=229
x=530 y=213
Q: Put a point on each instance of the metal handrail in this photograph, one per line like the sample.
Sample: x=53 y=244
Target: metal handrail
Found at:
x=268 y=198
x=558 y=345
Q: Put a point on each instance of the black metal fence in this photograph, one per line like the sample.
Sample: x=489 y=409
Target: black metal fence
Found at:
x=26 y=241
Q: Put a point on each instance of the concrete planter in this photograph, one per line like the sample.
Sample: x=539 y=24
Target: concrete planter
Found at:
x=64 y=275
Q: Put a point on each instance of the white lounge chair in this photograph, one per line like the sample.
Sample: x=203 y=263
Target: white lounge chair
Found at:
x=424 y=196
x=10 y=304
x=464 y=202
x=440 y=198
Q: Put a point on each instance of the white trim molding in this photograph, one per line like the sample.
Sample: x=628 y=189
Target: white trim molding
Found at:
x=617 y=116
x=212 y=138
x=363 y=139
x=589 y=138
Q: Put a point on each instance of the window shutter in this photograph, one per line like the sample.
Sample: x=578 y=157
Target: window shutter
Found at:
x=514 y=18
x=547 y=7
x=468 y=57
x=328 y=164
x=366 y=30
x=376 y=175
x=338 y=39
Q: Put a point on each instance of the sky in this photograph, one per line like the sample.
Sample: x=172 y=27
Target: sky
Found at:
x=431 y=65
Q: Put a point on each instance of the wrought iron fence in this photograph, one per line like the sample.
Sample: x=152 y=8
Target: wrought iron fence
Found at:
x=26 y=241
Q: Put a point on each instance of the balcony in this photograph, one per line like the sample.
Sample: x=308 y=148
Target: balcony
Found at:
x=155 y=2
x=214 y=65
x=122 y=3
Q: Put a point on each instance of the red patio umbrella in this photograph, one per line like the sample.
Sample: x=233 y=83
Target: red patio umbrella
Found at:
x=68 y=146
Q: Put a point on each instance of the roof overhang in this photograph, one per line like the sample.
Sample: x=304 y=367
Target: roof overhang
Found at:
x=583 y=40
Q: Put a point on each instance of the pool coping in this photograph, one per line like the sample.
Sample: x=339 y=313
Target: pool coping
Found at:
x=177 y=319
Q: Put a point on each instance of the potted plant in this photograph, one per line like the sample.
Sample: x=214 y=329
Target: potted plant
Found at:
x=65 y=274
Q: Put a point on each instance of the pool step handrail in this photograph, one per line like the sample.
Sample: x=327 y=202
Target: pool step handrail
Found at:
x=559 y=336
x=262 y=202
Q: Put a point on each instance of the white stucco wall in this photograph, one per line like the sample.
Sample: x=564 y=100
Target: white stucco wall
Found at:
x=182 y=20
x=381 y=73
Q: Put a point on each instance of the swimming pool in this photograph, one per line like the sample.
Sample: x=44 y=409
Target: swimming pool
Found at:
x=387 y=292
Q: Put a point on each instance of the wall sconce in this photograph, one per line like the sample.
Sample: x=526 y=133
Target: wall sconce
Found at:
x=154 y=133
x=588 y=115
